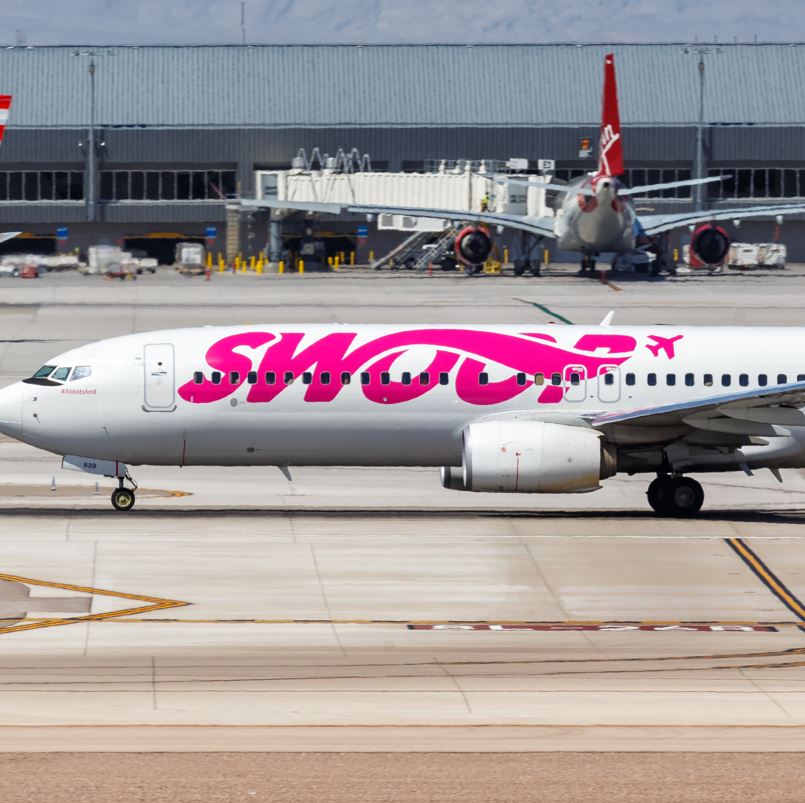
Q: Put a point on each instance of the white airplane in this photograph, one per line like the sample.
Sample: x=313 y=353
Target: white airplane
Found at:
x=513 y=409
x=594 y=213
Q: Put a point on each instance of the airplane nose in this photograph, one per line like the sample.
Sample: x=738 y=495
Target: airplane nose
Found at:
x=11 y=410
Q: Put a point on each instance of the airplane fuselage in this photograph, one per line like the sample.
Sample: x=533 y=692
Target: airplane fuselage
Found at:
x=594 y=220
x=391 y=395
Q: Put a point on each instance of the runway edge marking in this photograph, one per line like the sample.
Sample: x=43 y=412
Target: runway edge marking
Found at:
x=154 y=604
x=767 y=576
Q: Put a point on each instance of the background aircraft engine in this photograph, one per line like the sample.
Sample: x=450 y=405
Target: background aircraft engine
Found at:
x=473 y=245
x=710 y=244
x=533 y=457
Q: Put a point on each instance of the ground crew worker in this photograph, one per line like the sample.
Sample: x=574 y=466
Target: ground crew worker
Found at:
x=485 y=203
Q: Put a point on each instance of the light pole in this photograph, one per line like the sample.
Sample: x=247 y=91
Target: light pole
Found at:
x=90 y=147
x=698 y=164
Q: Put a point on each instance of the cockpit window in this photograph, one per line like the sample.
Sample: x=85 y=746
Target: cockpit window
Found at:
x=61 y=374
x=44 y=372
x=81 y=372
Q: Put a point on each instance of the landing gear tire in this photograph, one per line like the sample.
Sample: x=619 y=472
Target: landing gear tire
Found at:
x=676 y=496
x=123 y=499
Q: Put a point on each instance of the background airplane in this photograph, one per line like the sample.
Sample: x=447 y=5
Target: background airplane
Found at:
x=594 y=214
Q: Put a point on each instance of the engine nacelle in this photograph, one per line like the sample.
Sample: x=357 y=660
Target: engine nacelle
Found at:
x=473 y=245
x=534 y=457
x=453 y=478
x=710 y=245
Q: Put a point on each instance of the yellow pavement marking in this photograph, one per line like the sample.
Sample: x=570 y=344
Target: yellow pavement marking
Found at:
x=153 y=604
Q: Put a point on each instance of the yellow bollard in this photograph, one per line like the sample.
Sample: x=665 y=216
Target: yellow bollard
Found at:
x=301 y=266
x=330 y=261
x=209 y=259
x=676 y=255
x=371 y=256
x=546 y=257
x=506 y=255
x=351 y=257
x=253 y=263
x=335 y=264
x=281 y=266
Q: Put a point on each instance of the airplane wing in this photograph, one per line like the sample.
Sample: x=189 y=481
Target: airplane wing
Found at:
x=656 y=224
x=746 y=413
x=542 y=226
x=9 y=235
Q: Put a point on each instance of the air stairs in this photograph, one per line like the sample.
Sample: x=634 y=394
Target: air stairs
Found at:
x=439 y=249
x=410 y=245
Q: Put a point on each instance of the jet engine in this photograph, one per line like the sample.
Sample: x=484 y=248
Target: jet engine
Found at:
x=473 y=245
x=531 y=457
x=709 y=244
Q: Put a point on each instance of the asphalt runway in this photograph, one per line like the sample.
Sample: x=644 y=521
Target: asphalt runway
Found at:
x=372 y=610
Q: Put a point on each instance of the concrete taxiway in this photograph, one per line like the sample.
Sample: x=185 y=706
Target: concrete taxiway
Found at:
x=373 y=610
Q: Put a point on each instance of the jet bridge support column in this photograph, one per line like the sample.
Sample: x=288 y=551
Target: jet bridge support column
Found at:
x=274 y=244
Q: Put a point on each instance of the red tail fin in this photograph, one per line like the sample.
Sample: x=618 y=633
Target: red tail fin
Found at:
x=610 y=153
x=5 y=105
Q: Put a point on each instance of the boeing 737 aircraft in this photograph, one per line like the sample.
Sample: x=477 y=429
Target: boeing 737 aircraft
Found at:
x=594 y=213
x=512 y=409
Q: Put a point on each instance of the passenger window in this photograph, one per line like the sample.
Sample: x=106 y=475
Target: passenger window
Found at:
x=424 y=379
x=782 y=379
x=762 y=380
x=215 y=377
x=483 y=378
x=670 y=379
x=81 y=372
x=444 y=378
x=406 y=378
x=234 y=377
x=307 y=377
x=651 y=379
x=271 y=377
x=385 y=378
x=198 y=378
x=44 y=372
x=521 y=379
x=630 y=379
x=324 y=378
x=346 y=378
x=800 y=377
x=288 y=377
x=61 y=374
x=707 y=380
x=539 y=379
x=726 y=380
x=251 y=377
x=690 y=380
x=556 y=379
x=609 y=379
x=365 y=377
x=575 y=378
x=743 y=380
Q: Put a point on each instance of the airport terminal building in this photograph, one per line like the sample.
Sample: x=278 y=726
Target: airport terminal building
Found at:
x=145 y=145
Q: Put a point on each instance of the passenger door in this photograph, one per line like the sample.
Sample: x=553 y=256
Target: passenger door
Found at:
x=158 y=362
x=575 y=383
x=609 y=384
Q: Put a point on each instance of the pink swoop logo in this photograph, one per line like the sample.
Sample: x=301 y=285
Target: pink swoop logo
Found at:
x=468 y=351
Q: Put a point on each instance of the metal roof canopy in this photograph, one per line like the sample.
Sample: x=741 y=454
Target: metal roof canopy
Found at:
x=281 y=86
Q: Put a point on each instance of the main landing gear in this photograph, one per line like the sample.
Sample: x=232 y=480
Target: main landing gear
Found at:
x=123 y=498
x=587 y=265
x=675 y=496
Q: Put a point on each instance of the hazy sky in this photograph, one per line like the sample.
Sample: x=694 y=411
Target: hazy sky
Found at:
x=374 y=21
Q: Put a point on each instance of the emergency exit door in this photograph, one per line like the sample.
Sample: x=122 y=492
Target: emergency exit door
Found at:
x=158 y=362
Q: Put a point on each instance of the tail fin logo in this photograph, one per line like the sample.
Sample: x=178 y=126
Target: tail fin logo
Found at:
x=610 y=155
x=5 y=106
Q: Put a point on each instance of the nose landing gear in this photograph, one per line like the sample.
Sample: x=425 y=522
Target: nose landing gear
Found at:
x=123 y=498
x=675 y=496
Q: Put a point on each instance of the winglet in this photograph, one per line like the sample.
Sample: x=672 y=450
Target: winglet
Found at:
x=610 y=153
x=608 y=318
x=285 y=473
x=5 y=106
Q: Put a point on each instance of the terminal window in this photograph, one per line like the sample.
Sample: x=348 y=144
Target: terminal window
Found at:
x=756 y=182
x=167 y=185
x=41 y=185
